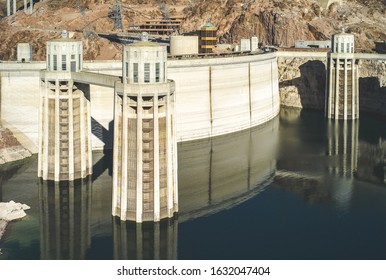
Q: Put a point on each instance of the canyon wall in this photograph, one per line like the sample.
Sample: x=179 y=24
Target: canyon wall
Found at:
x=302 y=83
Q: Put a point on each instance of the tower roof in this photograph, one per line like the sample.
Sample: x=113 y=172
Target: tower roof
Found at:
x=208 y=24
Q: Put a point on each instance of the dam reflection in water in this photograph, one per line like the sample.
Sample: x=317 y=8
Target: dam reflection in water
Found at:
x=297 y=182
x=214 y=174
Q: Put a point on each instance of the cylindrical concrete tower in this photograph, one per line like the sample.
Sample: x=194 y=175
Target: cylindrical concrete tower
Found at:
x=342 y=96
x=145 y=150
x=64 y=54
x=65 y=124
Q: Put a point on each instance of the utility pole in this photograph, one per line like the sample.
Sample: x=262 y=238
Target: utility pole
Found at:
x=115 y=14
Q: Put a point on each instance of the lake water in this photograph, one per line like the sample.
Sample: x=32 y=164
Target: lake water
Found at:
x=297 y=187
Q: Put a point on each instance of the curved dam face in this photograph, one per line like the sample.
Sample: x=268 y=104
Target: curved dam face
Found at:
x=217 y=96
x=214 y=96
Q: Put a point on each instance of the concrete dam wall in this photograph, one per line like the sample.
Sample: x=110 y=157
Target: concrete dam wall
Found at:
x=214 y=96
x=223 y=95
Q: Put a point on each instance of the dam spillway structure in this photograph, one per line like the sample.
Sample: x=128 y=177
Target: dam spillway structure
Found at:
x=342 y=96
x=145 y=149
x=65 y=125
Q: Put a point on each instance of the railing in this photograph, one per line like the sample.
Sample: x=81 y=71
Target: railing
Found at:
x=218 y=55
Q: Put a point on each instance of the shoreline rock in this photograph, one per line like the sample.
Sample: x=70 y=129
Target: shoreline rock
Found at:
x=10 y=148
x=10 y=211
x=3 y=225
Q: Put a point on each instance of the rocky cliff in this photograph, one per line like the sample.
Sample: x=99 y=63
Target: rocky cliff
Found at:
x=277 y=22
x=302 y=84
x=372 y=87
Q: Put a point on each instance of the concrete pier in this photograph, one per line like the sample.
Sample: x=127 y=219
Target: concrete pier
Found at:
x=65 y=124
x=342 y=96
x=145 y=147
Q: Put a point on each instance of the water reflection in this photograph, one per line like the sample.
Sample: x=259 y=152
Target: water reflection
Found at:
x=145 y=241
x=342 y=152
x=219 y=173
x=342 y=147
x=326 y=163
x=65 y=209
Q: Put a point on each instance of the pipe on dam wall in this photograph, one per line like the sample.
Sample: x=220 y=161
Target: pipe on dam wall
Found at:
x=214 y=96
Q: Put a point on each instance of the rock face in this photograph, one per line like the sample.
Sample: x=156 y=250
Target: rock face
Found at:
x=372 y=87
x=302 y=82
x=10 y=148
x=275 y=22
x=281 y=22
x=10 y=211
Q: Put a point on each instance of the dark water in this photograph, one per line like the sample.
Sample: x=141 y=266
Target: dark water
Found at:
x=298 y=187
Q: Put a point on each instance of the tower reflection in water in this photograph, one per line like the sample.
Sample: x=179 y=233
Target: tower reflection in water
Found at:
x=65 y=209
x=342 y=151
x=145 y=241
x=342 y=147
x=214 y=174
x=326 y=153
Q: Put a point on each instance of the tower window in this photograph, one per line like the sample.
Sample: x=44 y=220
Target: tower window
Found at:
x=135 y=72
x=55 y=62
x=64 y=64
x=127 y=69
x=157 y=72
x=147 y=73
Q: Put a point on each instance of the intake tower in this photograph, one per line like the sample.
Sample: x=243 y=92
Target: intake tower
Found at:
x=145 y=150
